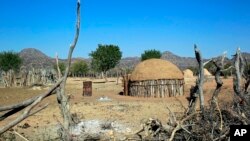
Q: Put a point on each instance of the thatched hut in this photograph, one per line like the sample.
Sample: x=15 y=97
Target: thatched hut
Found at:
x=188 y=76
x=156 y=78
x=188 y=73
x=207 y=73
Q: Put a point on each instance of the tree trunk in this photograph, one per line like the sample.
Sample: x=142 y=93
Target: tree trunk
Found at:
x=62 y=98
x=104 y=76
x=239 y=66
x=200 y=77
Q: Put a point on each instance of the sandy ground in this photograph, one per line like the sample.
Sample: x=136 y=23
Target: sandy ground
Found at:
x=123 y=110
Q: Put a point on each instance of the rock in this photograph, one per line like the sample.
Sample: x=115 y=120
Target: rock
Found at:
x=104 y=99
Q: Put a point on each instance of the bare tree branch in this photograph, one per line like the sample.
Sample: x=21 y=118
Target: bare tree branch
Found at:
x=222 y=136
x=217 y=80
x=21 y=136
x=238 y=64
x=58 y=69
x=223 y=58
x=197 y=90
x=219 y=83
x=227 y=69
x=221 y=120
x=62 y=98
x=24 y=104
x=246 y=75
x=31 y=100
x=193 y=99
x=11 y=112
x=23 y=116
x=204 y=64
x=180 y=124
x=242 y=63
x=172 y=117
x=201 y=77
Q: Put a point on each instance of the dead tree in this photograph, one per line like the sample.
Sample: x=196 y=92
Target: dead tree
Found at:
x=30 y=104
x=219 y=82
x=193 y=98
x=197 y=90
x=246 y=76
x=239 y=69
x=59 y=74
x=193 y=127
x=62 y=98
x=219 y=64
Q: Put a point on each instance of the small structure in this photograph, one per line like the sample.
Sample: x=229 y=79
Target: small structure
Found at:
x=207 y=73
x=87 y=88
x=208 y=76
x=155 y=78
x=188 y=73
x=188 y=76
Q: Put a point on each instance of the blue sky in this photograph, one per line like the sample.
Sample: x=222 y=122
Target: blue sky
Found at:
x=134 y=25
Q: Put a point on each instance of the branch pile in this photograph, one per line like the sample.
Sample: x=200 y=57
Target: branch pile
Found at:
x=211 y=123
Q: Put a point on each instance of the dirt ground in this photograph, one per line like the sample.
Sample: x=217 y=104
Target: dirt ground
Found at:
x=125 y=110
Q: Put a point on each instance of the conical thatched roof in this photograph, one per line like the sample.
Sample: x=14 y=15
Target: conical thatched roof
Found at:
x=155 y=69
x=206 y=72
x=188 y=73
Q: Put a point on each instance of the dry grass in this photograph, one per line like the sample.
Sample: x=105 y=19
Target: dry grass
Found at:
x=188 y=73
x=127 y=110
x=154 y=69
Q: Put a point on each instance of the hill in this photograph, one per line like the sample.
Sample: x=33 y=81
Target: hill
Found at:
x=181 y=62
x=129 y=62
x=246 y=56
x=37 y=59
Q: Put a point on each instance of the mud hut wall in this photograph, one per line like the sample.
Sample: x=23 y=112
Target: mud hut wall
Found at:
x=156 y=88
x=125 y=84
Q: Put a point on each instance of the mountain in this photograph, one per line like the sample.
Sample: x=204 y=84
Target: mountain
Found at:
x=129 y=62
x=246 y=56
x=35 y=58
x=181 y=62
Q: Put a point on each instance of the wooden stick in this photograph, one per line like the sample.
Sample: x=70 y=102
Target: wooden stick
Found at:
x=20 y=135
x=222 y=136
x=172 y=117
x=204 y=64
x=179 y=125
x=57 y=66
x=221 y=120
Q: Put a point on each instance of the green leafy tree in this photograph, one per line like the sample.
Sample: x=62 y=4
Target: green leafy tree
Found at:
x=79 y=67
x=105 y=57
x=10 y=60
x=62 y=67
x=148 y=54
x=227 y=72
